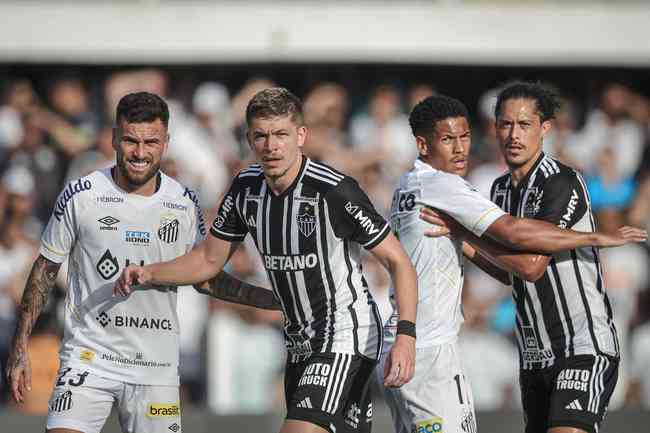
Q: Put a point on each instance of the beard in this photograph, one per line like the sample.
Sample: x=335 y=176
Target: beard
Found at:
x=140 y=179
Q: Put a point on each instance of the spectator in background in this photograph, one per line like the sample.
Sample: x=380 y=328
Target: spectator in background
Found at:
x=42 y=162
x=326 y=107
x=638 y=392
x=625 y=275
x=383 y=135
x=480 y=346
x=487 y=161
x=238 y=113
x=610 y=126
x=17 y=99
x=201 y=146
x=97 y=158
x=418 y=92
x=244 y=380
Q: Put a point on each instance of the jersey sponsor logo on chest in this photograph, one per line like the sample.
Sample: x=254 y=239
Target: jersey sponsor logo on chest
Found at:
x=137 y=237
x=108 y=223
x=290 y=262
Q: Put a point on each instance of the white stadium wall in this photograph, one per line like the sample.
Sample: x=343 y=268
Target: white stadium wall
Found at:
x=320 y=31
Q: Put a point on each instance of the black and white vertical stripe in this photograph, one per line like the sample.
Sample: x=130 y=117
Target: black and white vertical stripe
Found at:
x=327 y=307
x=336 y=382
x=567 y=309
x=62 y=403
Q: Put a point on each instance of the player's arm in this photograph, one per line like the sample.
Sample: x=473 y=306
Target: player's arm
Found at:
x=228 y=288
x=485 y=264
x=200 y=264
x=37 y=289
x=354 y=217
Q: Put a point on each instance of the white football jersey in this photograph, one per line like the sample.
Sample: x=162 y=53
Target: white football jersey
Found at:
x=100 y=229
x=438 y=261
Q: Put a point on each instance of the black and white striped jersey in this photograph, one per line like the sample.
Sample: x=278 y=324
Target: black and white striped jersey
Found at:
x=309 y=238
x=566 y=312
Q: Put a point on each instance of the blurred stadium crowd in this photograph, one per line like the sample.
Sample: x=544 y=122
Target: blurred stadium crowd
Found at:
x=231 y=356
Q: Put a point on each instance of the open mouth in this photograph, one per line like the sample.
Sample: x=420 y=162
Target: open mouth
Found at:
x=139 y=166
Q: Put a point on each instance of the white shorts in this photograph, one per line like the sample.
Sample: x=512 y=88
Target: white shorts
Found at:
x=82 y=401
x=437 y=399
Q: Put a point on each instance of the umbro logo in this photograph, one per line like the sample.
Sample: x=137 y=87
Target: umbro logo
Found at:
x=305 y=403
x=574 y=405
x=108 y=222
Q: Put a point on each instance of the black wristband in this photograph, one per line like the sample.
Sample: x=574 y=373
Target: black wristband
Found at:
x=406 y=327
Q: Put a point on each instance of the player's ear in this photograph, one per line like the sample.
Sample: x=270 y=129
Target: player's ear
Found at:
x=302 y=135
x=546 y=127
x=422 y=144
x=115 y=140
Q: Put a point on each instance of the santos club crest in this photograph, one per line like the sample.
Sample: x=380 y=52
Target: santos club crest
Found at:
x=168 y=231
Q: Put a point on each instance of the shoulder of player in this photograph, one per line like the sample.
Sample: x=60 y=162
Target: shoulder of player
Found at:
x=324 y=178
x=251 y=176
x=553 y=173
x=178 y=196
x=502 y=180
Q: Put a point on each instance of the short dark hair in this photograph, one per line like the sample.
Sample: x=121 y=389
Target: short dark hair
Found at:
x=274 y=102
x=430 y=110
x=546 y=100
x=142 y=107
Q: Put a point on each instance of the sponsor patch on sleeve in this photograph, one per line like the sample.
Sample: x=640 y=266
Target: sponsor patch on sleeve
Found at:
x=433 y=425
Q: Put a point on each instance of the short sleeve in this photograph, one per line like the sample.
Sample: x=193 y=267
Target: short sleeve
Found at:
x=459 y=199
x=353 y=216
x=228 y=225
x=563 y=200
x=198 y=222
x=61 y=231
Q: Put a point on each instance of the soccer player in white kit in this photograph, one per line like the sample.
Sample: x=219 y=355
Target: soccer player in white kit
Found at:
x=438 y=398
x=122 y=350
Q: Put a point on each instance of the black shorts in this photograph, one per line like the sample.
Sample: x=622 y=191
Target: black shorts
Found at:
x=574 y=392
x=331 y=390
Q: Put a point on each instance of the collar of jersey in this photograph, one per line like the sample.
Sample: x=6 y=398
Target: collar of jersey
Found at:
x=301 y=172
x=525 y=179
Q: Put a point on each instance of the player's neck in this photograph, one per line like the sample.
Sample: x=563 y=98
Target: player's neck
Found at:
x=521 y=171
x=280 y=184
x=148 y=189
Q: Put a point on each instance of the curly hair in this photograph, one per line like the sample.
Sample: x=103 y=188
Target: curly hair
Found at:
x=274 y=102
x=142 y=107
x=433 y=109
x=546 y=100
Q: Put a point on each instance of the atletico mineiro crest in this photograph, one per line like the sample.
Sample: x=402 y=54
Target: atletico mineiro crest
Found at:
x=306 y=224
x=168 y=231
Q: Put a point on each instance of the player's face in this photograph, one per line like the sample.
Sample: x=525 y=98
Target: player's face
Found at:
x=139 y=148
x=277 y=144
x=449 y=146
x=520 y=131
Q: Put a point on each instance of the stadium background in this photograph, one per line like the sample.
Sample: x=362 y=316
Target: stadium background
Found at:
x=359 y=66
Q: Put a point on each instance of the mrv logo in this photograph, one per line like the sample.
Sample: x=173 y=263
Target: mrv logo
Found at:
x=290 y=263
x=133 y=322
x=364 y=221
x=71 y=190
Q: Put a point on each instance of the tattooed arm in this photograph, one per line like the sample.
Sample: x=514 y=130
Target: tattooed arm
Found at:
x=37 y=289
x=228 y=288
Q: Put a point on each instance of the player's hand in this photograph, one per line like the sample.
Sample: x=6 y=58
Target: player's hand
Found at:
x=132 y=275
x=446 y=225
x=623 y=235
x=19 y=373
x=400 y=365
